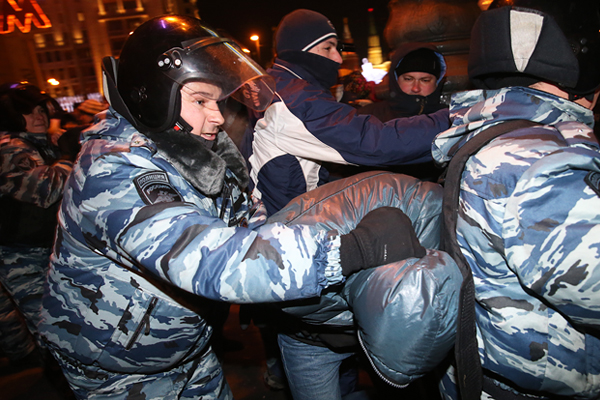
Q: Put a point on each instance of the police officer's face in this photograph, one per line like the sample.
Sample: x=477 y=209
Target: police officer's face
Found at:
x=417 y=83
x=199 y=108
x=37 y=121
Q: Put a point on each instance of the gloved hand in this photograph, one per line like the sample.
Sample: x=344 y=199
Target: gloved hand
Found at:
x=383 y=236
x=68 y=143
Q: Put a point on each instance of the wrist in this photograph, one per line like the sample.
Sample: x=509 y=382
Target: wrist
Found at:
x=351 y=258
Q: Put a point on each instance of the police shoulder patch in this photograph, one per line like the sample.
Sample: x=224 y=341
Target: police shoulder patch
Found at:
x=154 y=187
x=593 y=181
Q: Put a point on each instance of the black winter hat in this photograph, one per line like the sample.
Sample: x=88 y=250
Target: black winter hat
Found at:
x=301 y=30
x=421 y=60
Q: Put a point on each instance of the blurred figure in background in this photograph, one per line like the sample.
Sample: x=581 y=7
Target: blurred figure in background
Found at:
x=85 y=111
x=16 y=341
x=32 y=176
x=415 y=83
x=72 y=124
x=356 y=90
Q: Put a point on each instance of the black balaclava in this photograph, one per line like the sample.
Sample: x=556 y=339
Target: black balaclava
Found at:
x=323 y=69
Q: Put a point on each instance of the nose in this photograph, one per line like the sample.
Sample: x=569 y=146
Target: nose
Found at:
x=215 y=117
x=416 y=87
x=337 y=57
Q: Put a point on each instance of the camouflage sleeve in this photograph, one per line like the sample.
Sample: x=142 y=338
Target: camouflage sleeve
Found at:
x=551 y=231
x=185 y=244
x=25 y=176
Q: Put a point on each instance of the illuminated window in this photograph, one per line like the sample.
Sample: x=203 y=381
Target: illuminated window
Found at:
x=59 y=39
x=39 y=40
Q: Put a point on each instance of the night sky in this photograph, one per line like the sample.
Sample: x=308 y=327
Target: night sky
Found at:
x=241 y=19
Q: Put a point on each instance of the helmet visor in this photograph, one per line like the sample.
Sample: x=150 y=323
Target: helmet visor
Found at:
x=221 y=62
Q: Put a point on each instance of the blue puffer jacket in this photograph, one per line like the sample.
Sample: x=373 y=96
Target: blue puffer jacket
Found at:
x=404 y=312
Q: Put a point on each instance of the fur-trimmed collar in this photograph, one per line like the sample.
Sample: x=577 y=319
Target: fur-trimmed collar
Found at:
x=203 y=168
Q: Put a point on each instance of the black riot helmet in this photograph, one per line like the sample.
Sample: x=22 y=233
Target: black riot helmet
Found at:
x=519 y=42
x=166 y=52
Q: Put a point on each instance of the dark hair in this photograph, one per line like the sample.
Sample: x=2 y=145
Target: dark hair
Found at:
x=17 y=101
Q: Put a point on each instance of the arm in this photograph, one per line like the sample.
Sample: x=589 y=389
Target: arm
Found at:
x=552 y=227
x=184 y=244
x=25 y=176
x=309 y=123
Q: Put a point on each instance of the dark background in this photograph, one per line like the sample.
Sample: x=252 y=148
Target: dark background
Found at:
x=242 y=19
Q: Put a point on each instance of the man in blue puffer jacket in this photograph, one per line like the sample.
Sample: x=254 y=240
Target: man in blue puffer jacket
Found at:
x=154 y=219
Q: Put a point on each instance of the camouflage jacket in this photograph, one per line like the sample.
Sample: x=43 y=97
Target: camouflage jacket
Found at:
x=528 y=225
x=32 y=177
x=136 y=242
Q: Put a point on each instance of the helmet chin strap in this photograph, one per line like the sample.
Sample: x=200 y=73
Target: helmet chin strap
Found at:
x=183 y=126
x=589 y=97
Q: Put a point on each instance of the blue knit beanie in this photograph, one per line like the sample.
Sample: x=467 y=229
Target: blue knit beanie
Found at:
x=302 y=30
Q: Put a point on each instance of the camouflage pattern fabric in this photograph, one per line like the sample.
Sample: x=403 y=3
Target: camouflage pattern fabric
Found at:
x=528 y=225
x=202 y=378
x=134 y=238
x=30 y=172
x=16 y=342
x=22 y=273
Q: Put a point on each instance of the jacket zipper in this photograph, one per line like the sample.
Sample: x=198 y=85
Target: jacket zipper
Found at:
x=144 y=323
x=383 y=378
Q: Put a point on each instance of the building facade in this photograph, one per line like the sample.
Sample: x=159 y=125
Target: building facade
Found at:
x=58 y=45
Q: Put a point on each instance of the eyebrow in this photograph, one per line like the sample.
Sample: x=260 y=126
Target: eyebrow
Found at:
x=192 y=92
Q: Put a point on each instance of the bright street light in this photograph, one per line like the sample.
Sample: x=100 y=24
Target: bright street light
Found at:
x=256 y=39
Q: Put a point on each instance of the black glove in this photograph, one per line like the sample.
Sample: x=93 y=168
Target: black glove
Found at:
x=68 y=143
x=384 y=235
